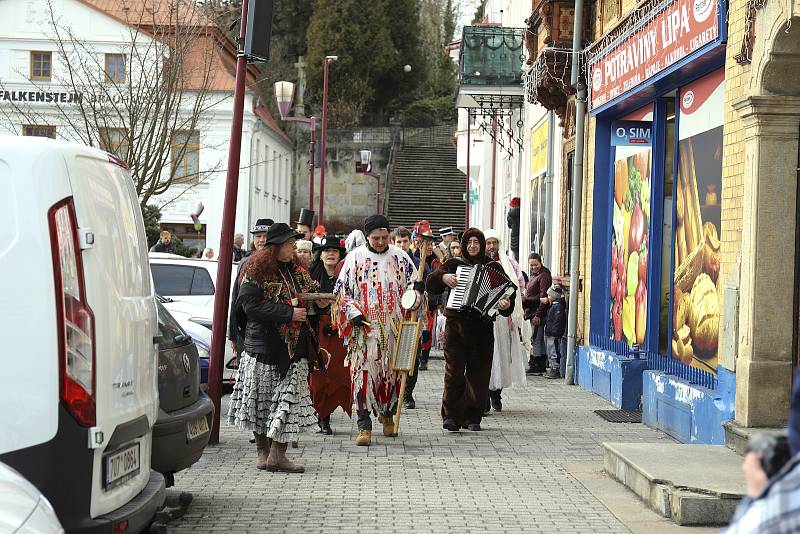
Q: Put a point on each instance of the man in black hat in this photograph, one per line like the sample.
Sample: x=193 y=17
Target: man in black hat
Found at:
x=259 y=233
x=305 y=223
x=367 y=312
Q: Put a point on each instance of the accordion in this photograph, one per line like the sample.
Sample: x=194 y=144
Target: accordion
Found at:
x=479 y=288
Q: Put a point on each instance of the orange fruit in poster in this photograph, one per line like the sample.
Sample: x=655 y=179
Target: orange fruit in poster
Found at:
x=620 y=181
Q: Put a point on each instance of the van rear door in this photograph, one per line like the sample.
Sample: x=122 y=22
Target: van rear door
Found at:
x=118 y=290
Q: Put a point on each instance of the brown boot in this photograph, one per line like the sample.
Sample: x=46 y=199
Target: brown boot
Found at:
x=263 y=445
x=278 y=462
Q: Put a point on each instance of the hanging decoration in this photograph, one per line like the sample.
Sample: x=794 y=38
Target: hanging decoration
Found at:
x=195 y=216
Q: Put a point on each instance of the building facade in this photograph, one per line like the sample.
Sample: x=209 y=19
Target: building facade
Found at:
x=39 y=96
x=688 y=292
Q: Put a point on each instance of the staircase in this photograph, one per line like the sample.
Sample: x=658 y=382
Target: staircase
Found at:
x=425 y=182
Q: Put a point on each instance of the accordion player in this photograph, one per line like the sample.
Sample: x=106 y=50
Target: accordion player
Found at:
x=480 y=287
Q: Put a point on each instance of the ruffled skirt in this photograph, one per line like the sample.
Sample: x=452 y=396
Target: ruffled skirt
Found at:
x=266 y=404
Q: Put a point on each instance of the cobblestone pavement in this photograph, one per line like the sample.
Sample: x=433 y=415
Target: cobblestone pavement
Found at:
x=506 y=478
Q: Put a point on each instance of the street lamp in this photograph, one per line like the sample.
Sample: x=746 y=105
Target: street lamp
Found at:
x=328 y=61
x=284 y=95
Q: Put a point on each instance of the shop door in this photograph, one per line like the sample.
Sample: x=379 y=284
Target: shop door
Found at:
x=664 y=306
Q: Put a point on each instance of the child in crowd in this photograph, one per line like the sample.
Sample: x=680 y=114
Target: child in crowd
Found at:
x=554 y=329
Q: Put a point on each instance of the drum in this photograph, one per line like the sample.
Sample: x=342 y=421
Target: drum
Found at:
x=411 y=299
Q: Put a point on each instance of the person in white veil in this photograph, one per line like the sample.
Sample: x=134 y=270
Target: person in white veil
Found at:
x=510 y=345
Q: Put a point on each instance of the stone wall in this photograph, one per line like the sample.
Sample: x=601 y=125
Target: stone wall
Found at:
x=349 y=196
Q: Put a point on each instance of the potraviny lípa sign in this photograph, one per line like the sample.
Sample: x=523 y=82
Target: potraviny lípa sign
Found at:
x=673 y=33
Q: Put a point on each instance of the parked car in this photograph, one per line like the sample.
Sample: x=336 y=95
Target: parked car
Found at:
x=23 y=509
x=80 y=396
x=192 y=319
x=186 y=279
x=183 y=427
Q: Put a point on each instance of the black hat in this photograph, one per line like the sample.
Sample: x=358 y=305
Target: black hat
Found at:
x=447 y=230
x=330 y=241
x=279 y=233
x=374 y=222
x=306 y=217
x=261 y=225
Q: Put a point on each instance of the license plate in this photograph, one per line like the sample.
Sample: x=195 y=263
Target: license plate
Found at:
x=120 y=466
x=196 y=428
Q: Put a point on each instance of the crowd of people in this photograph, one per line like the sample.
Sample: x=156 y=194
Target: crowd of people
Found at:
x=315 y=322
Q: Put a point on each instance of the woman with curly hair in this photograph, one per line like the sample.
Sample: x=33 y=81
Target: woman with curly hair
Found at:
x=271 y=396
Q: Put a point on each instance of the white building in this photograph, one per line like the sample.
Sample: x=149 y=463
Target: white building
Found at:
x=501 y=170
x=33 y=83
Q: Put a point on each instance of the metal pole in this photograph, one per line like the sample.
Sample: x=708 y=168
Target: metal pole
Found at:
x=469 y=147
x=322 y=148
x=494 y=166
x=379 y=210
x=577 y=194
x=311 y=156
x=223 y=285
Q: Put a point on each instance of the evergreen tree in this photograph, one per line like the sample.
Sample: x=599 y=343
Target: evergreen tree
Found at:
x=358 y=32
x=448 y=22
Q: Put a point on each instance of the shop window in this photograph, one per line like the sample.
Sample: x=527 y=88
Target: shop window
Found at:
x=38 y=130
x=186 y=157
x=115 y=141
x=698 y=216
x=41 y=66
x=630 y=232
x=115 y=68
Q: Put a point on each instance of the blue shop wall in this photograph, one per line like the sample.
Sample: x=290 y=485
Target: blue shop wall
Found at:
x=689 y=412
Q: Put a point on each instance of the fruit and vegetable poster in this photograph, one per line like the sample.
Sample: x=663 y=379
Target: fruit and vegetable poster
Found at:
x=696 y=299
x=632 y=144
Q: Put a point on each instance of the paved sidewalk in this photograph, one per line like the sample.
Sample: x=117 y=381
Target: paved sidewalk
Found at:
x=507 y=478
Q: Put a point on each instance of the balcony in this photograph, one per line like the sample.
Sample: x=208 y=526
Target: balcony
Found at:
x=490 y=68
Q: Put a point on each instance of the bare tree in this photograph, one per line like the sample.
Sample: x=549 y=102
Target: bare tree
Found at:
x=146 y=101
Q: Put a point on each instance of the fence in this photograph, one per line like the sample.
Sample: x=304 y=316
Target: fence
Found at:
x=659 y=362
x=441 y=135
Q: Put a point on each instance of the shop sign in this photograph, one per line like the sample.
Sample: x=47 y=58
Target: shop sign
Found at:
x=539 y=148
x=669 y=36
x=631 y=133
x=40 y=96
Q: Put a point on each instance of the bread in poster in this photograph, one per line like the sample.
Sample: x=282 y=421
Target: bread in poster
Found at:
x=704 y=315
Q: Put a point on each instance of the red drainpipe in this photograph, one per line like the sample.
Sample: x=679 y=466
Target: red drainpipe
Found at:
x=494 y=163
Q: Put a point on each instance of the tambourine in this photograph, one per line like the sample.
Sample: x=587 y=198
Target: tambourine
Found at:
x=411 y=299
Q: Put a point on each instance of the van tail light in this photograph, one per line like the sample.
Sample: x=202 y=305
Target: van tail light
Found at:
x=76 y=341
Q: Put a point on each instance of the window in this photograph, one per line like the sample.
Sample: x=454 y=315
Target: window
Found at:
x=33 y=130
x=115 y=141
x=115 y=68
x=186 y=157
x=168 y=328
x=41 y=66
x=181 y=280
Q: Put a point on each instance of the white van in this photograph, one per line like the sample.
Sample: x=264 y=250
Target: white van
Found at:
x=79 y=393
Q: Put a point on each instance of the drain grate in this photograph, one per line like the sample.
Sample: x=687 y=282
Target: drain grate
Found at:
x=620 y=416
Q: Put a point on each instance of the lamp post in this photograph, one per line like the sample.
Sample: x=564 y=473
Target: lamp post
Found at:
x=284 y=94
x=328 y=61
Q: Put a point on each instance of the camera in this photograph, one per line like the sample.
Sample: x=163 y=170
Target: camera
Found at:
x=774 y=451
